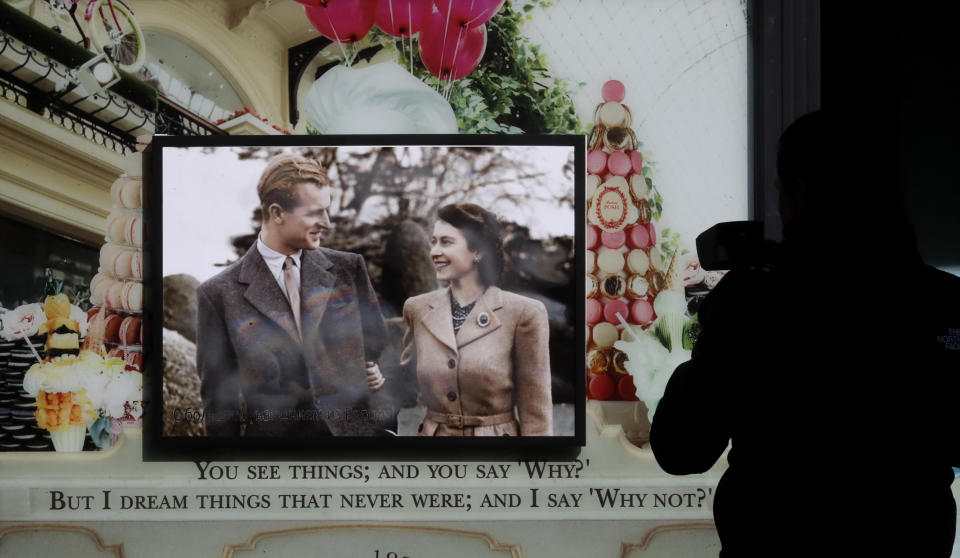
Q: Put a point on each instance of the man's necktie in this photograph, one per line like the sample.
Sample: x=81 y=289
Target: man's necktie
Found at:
x=293 y=290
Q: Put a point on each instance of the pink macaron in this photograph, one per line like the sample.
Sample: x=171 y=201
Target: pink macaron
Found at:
x=641 y=312
x=614 y=307
x=638 y=237
x=653 y=233
x=592 y=236
x=618 y=163
x=613 y=90
x=636 y=161
x=594 y=311
x=596 y=162
x=613 y=239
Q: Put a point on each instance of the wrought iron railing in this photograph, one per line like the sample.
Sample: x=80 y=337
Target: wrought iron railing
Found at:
x=174 y=120
x=27 y=94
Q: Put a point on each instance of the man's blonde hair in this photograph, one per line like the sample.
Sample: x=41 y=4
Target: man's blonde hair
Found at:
x=279 y=180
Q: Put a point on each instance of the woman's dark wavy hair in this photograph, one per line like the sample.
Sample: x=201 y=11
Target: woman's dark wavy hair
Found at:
x=481 y=228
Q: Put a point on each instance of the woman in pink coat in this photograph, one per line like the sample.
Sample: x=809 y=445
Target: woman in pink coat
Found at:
x=481 y=353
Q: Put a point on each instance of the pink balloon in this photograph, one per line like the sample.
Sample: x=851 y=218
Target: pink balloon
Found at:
x=344 y=21
x=451 y=51
x=469 y=13
x=618 y=163
x=402 y=18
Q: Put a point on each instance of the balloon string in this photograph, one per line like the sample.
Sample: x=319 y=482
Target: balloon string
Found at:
x=410 y=30
x=456 y=51
x=479 y=16
x=336 y=36
x=443 y=48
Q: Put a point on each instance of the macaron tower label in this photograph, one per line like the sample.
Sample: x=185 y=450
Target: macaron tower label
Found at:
x=610 y=207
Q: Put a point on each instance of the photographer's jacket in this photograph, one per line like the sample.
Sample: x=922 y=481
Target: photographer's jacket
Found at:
x=832 y=375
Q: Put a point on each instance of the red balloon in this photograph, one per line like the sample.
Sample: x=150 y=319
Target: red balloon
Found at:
x=402 y=18
x=344 y=21
x=469 y=13
x=451 y=51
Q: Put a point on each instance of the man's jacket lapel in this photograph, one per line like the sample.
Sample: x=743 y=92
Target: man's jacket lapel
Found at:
x=264 y=294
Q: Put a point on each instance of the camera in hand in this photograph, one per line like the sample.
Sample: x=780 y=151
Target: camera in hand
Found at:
x=733 y=245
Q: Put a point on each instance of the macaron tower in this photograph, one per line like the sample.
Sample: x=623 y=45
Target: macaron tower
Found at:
x=117 y=290
x=626 y=269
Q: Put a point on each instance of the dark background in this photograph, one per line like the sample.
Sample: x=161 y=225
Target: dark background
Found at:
x=894 y=70
x=899 y=67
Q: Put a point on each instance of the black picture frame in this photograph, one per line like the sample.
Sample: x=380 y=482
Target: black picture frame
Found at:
x=158 y=447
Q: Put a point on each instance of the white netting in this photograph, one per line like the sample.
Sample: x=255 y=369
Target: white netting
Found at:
x=684 y=65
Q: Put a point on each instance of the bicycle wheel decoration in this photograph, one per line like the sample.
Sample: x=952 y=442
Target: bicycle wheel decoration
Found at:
x=114 y=30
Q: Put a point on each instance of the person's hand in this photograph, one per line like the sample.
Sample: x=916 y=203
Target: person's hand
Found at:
x=374 y=378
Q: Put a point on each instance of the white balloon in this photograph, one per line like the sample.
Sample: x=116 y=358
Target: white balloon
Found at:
x=381 y=98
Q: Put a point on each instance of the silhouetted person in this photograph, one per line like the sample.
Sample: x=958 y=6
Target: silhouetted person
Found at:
x=832 y=370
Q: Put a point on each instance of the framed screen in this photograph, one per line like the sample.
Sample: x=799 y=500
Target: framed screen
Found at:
x=434 y=294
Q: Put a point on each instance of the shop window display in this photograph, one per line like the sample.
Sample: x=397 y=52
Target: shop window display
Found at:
x=37 y=255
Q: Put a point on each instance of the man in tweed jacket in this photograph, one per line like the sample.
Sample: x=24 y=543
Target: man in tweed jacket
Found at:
x=288 y=337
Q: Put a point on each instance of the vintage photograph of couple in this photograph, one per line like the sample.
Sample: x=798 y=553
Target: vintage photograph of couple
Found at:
x=369 y=291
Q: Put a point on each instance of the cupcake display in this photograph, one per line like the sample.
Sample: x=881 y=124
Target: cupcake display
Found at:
x=63 y=407
x=74 y=391
x=638 y=283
